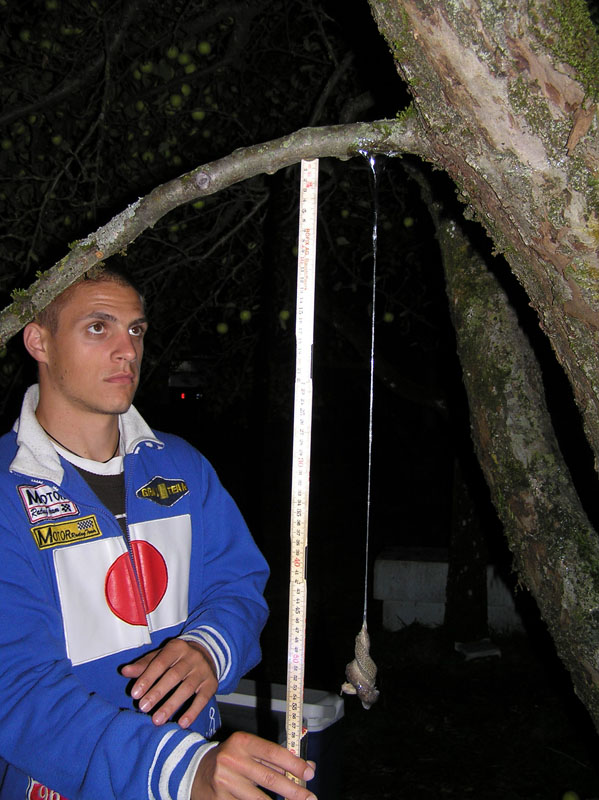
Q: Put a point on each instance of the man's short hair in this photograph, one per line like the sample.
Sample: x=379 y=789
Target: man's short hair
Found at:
x=49 y=316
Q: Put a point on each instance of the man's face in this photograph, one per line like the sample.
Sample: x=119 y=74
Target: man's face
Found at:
x=92 y=361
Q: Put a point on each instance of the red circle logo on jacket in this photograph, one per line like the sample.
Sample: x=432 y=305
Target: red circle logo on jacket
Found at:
x=128 y=600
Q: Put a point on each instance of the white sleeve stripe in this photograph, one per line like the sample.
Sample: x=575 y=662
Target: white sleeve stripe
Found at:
x=184 y=791
x=216 y=644
x=163 y=742
x=171 y=763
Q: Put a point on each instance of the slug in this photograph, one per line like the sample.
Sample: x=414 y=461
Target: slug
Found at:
x=361 y=672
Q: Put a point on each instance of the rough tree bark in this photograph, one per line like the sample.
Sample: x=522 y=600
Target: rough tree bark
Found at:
x=506 y=100
x=556 y=549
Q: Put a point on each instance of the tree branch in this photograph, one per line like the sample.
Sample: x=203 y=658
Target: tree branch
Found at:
x=389 y=137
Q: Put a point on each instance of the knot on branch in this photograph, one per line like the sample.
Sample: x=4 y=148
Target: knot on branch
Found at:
x=202 y=180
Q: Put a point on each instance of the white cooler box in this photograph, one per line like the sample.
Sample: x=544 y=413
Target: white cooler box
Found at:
x=260 y=708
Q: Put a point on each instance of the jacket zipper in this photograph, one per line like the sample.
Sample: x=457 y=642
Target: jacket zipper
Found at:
x=128 y=481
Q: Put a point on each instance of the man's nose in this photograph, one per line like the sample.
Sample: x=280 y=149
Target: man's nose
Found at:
x=125 y=349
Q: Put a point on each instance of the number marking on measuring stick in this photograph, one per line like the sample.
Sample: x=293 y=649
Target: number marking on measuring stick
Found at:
x=302 y=431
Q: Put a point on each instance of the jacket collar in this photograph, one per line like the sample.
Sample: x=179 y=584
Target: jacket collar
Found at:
x=36 y=455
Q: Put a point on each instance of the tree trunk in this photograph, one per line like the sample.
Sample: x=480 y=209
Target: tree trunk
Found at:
x=504 y=96
x=505 y=100
x=556 y=550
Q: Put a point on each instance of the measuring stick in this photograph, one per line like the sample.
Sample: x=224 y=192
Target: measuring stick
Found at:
x=302 y=430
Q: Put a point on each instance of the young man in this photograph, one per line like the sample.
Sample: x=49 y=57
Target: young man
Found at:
x=130 y=588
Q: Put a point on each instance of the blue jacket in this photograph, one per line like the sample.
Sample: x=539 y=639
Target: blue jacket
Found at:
x=77 y=601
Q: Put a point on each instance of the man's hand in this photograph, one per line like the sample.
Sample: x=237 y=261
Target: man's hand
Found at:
x=185 y=667
x=244 y=761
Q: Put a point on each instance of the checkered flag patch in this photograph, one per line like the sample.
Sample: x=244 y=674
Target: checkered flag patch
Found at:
x=85 y=524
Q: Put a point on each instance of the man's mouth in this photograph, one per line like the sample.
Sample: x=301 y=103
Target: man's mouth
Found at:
x=121 y=377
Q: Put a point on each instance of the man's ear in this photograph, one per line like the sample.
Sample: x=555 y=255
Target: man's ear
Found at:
x=35 y=341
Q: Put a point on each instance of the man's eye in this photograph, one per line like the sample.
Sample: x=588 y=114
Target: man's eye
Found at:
x=137 y=330
x=96 y=327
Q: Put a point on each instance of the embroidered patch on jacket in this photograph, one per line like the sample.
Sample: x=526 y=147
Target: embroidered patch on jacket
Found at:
x=59 y=533
x=46 y=502
x=37 y=791
x=164 y=491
